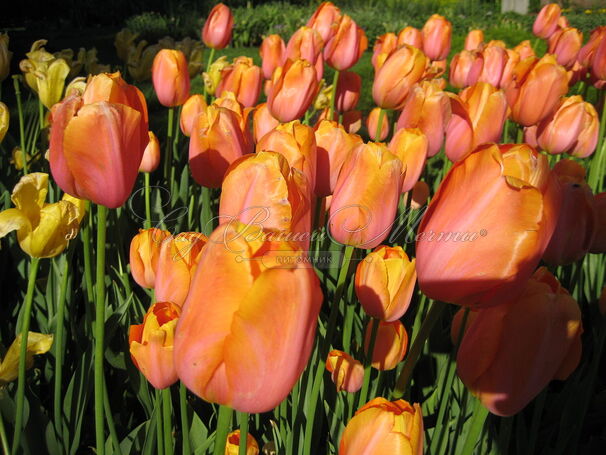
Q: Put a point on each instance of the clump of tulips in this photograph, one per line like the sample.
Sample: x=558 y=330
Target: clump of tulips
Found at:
x=277 y=261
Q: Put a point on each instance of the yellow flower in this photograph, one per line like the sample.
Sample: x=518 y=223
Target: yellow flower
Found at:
x=37 y=343
x=213 y=77
x=43 y=230
x=5 y=56
x=140 y=60
x=4 y=118
x=322 y=101
x=125 y=39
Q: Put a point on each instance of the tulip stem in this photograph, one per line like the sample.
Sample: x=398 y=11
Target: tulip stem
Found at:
x=168 y=150
x=21 y=125
x=159 y=430
x=520 y=138
x=27 y=310
x=207 y=212
x=477 y=423
x=88 y=270
x=147 y=202
x=223 y=424
x=433 y=315
x=167 y=419
x=184 y=420
x=243 y=432
x=333 y=97
x=3 y=439
x=368 y=361
x=59 y=324
x=40 y=114
x=100 y=329
x=325 y=347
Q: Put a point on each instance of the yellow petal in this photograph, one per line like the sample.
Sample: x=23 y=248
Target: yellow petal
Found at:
x=37 y=343
x=29 y=195
x=13 y=220
x=50 y=85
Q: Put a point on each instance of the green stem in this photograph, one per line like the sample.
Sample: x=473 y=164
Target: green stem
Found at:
x=223 y=424
x=333 y=97
x=434 y=313
x=520 y=137
x=110 y=421
x=86 y=251
x=207 y=212
x=243 y=432
x=332 y=319
x=184 y=420
x=60 y=320
x=168 y=155
x=368 y=361
x=21 y=125
x=100 y=329
x=3 y=439
x=477 y=423
x=211 y=57
x=27 y=313
x=40 y=115
x=159 y=431
x=168 y=421
x=147 y=202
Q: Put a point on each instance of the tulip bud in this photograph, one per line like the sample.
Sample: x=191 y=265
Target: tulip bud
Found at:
x=384 y=283
x=390 y=344
x=177 y=262
x=243 y=79
x=466 y=68
x=348 y=91
x=194 y=105
x=272 y=52
x=151 y=344
x=420 y=194
x=459 y=132
x=437 y=33
x=294 y=87
x=487 y=109
x=576 y=224
x=325 y=19
x=346 y=46
x=372 y=124
x=474 y=40
x=599 y=241
x=346 y=372
x=170 y=77
x=333 y=143
x=510 y=352
x=263 y=122
x=366 y=196
x=151 y=155
x=542 y=81
x=382 y=427
x=385 y=44
x=525 y=50
x=467 y=259
x=411 y=36
x=411 y=146
x=217 y=29
x=306 y=44
x=402 y=69
x=513 y=58
x=5 y=57
x=546 y=22
x=263 y=317
x=4 y=120
x=232 y=446
x=495 y=60
x=144 y=253
x=565 y=44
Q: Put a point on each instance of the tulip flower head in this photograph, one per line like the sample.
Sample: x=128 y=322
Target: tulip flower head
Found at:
x=217 y=29
x=437 y=34
x=194 y=105
x=151 y=155
x=232 y=445
x=5 y=56
x=4 y=120
x=546 y=22
x=293 y=88
x=325 y=20
x=171 y=77
x=390 y=344
x=411 y=146
x=37 y=344
x=144 y=253
x=272 y=53
x=243 y=79
x=346 y=372
x=346 y=46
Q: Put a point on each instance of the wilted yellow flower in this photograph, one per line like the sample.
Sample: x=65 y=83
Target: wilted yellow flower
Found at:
x=75 y=65
x=140 y=60
x=37 y=343
x=324 y=96
x=76 y=86
x=17 y=158
x=213 y=77
x=5 y=56
x=92 y=65
x=38 y=59
x=193 y=51
x=43 y=230
x=4 y=119
x=125 y=39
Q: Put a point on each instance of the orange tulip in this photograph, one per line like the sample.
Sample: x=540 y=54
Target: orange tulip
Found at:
x=295 y=142
x=546 y=22
x=372 y=125
x=599 y=241
x=348 y=91
x=170 y=77
x=293 y=88
x=385 y=44
x=216 y=142
x=510 y=352
x=542 y=81
x=464 y=243
x=513 y=58
x=263 y=122
x=565 y=44
x=525 y=50
x=144 y=253
x=572 y=128
x=346 y=372
x=437 y=33
x=346 y=46
x=112 y=115
x=151 y=344
x=390 y=345
x=151 y=155
x=384 y=427
x=410 y=145
x=474 y=40
x=411 y=36
x=243 y=79
x=598 y=62
x=420 y=194
x=576 y=226
x=325 y=20
x=232 y=446
x=333 y=144
x=428 y=108
x=466 y=68
x=248 y=325
x=384 y=283
x=194 y=105
x=217 y=29
x=459 y=132
x=306 y=44
x=366 y=196
x=272 y=52
x=495 y=61
x=177 y=262
x=402 y=69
